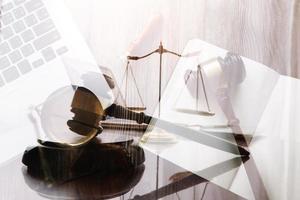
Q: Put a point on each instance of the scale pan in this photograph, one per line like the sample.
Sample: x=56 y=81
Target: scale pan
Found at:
x=195 y=112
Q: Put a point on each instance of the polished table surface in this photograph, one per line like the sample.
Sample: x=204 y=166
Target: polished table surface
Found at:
x=157 y=178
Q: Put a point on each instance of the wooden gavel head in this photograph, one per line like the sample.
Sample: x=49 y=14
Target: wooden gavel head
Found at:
x=88 y=112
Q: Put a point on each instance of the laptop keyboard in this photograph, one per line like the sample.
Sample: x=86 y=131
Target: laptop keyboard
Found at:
x=28 y=39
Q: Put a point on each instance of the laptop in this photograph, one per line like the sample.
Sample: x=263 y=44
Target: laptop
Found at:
x=36 y=38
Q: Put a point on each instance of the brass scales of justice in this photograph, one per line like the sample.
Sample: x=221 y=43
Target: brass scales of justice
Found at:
x=126 y=125
x=161 y=50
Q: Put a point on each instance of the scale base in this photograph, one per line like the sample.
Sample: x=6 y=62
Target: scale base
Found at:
x=158 y=136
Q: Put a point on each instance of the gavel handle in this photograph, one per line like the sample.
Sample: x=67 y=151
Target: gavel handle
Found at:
x=197 y=136
x=121 y=112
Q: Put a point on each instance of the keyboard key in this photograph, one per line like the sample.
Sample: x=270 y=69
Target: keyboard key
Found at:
x=38 y=63
x=19 y=26
x=61 y=50
x=1 y=82
x=7 y=7
x=42 y=14
x=7 y=19
x=31 y=20
x=46 y=40
x=48 y=54
x=15 y=56
x=4 y=62
x=33 y=5
x=4 y=48
x=17 y=2
x=15 y=42
x=19 y=12
x=10 y=74
x=7 y=32
x=27 y=50
x=27 y=35
x=43 y=27
x=24 y=67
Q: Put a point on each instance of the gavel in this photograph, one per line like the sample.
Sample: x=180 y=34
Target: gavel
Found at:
x=90 y=117
x=56 y=161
